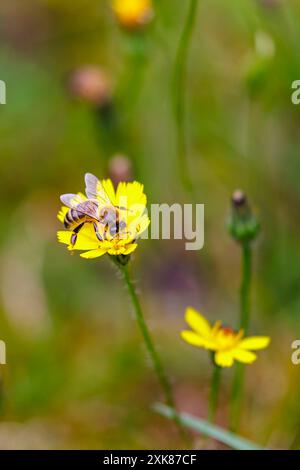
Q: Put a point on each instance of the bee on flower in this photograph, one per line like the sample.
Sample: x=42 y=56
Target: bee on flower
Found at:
x=133 y=14
x=226 y=344
x=104 y=220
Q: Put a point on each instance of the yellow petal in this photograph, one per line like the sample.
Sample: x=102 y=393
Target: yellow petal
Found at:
x=62 y=213
x=109 y=190
x=133 y=13
x=64 y=236
x=130 y=248
x=192 y=338
x=255 y=342
x=137 y=225
x=131 y=196
x=93 y=254
x=86 y=239
x=246 y=357
x=116 y=250
x=197 y=322
x=224 y=358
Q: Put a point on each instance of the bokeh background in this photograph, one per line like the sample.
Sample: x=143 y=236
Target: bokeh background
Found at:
x=77 y=375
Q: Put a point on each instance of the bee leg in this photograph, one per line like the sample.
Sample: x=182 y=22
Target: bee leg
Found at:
x=97 y=232
x=75 y=233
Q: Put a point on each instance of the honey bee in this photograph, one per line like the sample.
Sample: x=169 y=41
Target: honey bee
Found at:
x=97 y=210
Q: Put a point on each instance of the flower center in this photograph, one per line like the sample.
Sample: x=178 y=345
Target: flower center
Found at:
x=226 y=337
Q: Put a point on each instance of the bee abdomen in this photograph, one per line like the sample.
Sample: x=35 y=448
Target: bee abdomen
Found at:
x=72 y=217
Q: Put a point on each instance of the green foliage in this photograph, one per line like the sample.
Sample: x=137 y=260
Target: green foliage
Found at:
x=75 y=362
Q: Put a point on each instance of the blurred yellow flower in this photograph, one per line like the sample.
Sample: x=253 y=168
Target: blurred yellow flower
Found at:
x=105 y=220
x=228 y=346
x=133 y=13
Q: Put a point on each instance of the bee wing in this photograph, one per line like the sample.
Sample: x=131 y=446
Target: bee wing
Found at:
x=94 y=189
x=71 y=200
x=89 y=208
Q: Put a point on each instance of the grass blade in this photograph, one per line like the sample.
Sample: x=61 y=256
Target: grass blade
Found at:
x=210 y=430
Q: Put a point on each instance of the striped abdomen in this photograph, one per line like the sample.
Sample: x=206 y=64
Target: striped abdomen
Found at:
x=86 y=211
x=74 y=217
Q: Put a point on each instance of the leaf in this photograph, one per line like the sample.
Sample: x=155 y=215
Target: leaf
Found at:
x=210 y=430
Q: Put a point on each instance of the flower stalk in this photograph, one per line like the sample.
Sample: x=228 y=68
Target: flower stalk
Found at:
x=156 y=361
x=89 y=84
x=245 y=286
x=137 y=57
x=214 y=393
x=238 y=380
x=179 y=87
x=244 y=228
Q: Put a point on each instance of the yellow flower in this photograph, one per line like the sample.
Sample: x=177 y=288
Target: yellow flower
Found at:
x=133 y=13
x=228 y=346
x=118 y=220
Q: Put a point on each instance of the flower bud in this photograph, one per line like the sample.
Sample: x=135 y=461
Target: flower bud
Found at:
x=243 y=224
x=90 y=84
x=258 y=64
x=120 y=169
x=133 y=14
x=270 y=3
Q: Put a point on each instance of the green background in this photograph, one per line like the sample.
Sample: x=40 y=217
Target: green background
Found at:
x=77 y=375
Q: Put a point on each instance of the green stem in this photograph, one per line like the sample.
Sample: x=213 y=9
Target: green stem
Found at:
x=214 y=393
x=238 y=380
x=107 y=129
x=156 y=361
x=245 y=287
x=130 y=88
x=179 y=88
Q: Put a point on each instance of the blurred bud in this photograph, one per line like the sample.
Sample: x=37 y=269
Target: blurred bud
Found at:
x=243 y=225
x=269 y=3
x=120 y=169
x=258 y=63
x=264 y=45
x=133 y=14
x=89 y=83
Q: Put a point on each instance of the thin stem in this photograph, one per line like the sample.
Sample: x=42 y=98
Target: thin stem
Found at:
x=214 y=393
x=156 y=361
x=238 y=380
x=179 y=88
x=130 y=88
x=107 y=129
x=245 y=287
x=137 y=58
